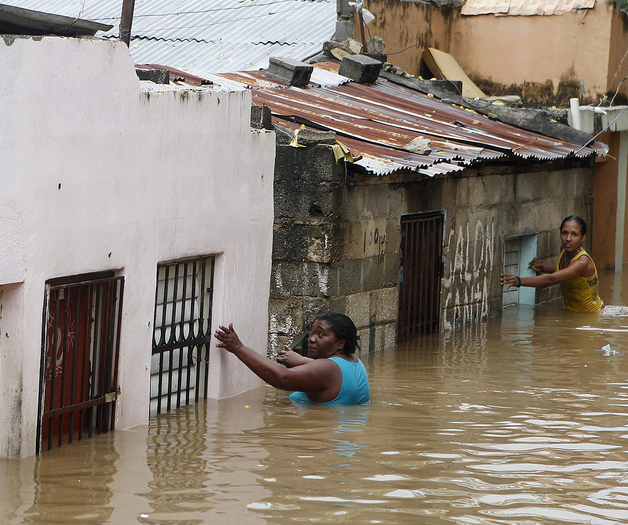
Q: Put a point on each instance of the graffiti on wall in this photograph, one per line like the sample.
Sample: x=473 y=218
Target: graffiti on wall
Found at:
x=375 y=243
x=466 y=290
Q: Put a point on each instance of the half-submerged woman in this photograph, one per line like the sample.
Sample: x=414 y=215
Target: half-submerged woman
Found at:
x=333 y=374
x=575 y=272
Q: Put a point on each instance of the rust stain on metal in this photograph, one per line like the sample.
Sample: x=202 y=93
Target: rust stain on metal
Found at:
x=376 y=121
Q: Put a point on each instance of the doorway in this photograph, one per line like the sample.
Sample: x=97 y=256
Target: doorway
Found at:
x=420 y=273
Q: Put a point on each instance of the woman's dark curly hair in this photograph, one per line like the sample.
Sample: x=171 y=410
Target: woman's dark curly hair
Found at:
x=343 y=328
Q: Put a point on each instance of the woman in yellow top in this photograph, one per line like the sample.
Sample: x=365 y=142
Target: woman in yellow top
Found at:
x=575 y=272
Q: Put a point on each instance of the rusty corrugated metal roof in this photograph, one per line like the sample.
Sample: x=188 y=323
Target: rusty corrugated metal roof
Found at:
x=376 y=121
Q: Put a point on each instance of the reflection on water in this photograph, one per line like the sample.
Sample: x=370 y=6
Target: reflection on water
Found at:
x=520 y=420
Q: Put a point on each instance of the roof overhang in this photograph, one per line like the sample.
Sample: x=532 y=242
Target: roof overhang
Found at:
x=19 y=21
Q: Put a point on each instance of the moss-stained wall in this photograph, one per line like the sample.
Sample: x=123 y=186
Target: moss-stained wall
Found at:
x=543 y=59
x=336 y=246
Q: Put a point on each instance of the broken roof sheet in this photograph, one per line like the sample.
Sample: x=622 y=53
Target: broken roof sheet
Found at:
x=524 y=7
x=213 y=36
x=376 y=121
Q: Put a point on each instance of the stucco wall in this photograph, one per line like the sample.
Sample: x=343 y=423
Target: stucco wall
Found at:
x=102 y=173
x=542 y=58
x=356 y=269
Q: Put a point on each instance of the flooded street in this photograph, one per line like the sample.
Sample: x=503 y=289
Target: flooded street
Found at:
x=519 y=420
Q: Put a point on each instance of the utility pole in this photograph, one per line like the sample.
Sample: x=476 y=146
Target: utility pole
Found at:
x=126 y=20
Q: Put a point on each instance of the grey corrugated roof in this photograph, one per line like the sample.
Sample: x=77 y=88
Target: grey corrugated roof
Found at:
x=209 y=36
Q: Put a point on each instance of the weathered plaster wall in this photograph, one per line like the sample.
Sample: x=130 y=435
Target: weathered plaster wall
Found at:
x=541 y=58
x=101 y=173
x=482 y=210
x=356 y=270
x=618 y=59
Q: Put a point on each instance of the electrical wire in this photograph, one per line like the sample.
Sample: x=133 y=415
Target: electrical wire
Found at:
x=77 y=16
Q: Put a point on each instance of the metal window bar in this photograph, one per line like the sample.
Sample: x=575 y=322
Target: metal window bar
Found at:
x=181 y=333
x=421 y=269
x=79 y=365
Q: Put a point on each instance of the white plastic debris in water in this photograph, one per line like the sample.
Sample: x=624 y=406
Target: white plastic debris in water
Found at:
x=608 y=351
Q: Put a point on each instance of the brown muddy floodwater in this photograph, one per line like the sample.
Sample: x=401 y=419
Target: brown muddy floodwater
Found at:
x=520 y=420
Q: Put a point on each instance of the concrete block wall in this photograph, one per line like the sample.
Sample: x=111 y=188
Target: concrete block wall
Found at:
x=348 y=259
x=329 y=251
x=484 y=208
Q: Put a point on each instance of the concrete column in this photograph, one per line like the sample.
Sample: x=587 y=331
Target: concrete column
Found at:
x=620 y=224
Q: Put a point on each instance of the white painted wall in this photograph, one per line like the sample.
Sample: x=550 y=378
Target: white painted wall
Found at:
x=99 y=172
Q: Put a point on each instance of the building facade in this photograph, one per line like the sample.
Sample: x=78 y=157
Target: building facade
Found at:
x=131 y=224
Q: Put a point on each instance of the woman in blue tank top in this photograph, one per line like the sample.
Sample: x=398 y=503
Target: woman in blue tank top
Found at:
x=331 y=374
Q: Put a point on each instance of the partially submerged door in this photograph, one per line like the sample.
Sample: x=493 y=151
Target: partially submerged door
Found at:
x=79 y=368
x=419 y=275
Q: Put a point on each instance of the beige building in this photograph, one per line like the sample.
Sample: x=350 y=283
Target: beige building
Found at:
x=543 y=51
x=546 y=52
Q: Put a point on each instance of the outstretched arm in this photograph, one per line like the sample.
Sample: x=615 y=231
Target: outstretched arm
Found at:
x=577 y=267
x=315 y=375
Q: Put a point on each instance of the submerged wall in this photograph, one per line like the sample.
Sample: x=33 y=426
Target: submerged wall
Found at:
x=349 y=257
x=100 y=172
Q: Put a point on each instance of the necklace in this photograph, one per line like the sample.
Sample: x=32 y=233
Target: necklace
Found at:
x=565 y=257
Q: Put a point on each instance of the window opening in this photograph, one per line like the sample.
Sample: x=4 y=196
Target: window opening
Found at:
x=518 y=252
x=182 y=332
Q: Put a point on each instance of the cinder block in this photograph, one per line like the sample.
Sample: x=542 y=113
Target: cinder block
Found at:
x=311 y=137
x=344 y=30
x=360 y=68
x=358 y=306
x=384 y=305
x=261 y=117
x=390 y=335
x=343 y=9
x=295 y=72
x=158 y=76
x=373 y=273
x=350 y=276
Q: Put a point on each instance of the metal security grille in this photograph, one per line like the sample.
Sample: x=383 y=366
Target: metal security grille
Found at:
x=180 y=362
x=79 y=368
x=420 y=274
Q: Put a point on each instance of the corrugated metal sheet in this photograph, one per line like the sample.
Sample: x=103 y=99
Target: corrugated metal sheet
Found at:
x=210 y=36
x=524 y=7
x=376 y=121
x=32 y=22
